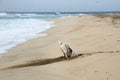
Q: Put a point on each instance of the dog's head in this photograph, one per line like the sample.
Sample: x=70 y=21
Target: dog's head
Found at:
x=60 y=43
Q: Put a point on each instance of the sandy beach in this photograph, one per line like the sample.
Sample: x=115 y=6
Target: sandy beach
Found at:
x=98 y=35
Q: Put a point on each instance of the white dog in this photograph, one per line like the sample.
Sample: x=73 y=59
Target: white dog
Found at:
x=67 y=51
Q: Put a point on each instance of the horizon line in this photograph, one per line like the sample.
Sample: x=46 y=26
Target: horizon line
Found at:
x=55 y=11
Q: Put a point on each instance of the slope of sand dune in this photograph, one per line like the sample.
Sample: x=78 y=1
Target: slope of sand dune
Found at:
x=40 y=58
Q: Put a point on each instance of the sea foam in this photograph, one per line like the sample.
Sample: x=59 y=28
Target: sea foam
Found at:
x=17 y=31
x=16 y=28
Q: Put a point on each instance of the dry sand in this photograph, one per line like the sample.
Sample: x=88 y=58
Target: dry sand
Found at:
x=98 y=35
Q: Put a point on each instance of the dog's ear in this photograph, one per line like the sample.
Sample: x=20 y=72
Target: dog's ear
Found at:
x=70 y=50
x=60 y=42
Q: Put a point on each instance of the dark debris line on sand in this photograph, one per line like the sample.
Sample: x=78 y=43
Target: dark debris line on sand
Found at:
x=53 y=60
x=41 y=62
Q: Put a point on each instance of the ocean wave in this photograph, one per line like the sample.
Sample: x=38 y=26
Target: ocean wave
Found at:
x=36 y=15
x=26 y=15
x=3 y=14
x=17 y=28
x=17 y=31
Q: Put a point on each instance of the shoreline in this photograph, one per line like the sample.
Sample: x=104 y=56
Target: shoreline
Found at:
x=44 y=33
x=24 y=33
x=38 y=35
x=85 y=34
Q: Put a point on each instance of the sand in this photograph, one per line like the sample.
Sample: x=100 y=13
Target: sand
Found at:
x=96 y=37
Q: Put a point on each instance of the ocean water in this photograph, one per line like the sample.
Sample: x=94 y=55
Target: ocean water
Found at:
x=16 y=28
